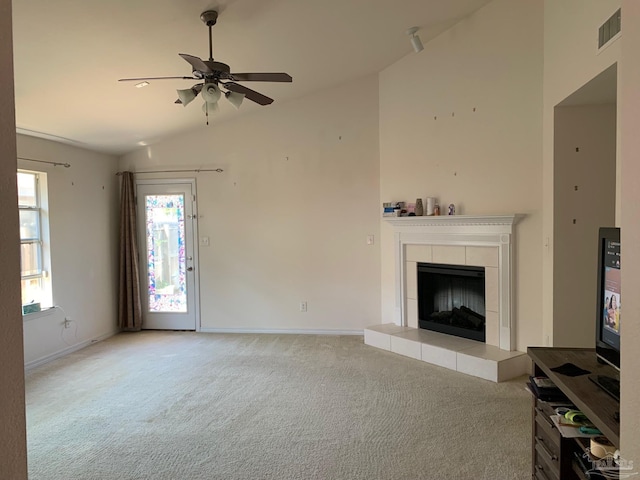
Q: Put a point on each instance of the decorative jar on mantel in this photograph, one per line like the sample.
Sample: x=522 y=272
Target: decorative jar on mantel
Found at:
x=419 y=210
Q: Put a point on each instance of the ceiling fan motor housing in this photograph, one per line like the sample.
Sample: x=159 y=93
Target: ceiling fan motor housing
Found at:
x=217 y=70
x=218 y=66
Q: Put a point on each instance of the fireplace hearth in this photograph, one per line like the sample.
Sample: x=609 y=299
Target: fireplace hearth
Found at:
x=451 y=300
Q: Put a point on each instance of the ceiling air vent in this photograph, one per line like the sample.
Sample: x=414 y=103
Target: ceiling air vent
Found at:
x=610 y=29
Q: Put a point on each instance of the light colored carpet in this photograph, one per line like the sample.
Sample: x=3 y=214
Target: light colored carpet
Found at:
x=188 y=406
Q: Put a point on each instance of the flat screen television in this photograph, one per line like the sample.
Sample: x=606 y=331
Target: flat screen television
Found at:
x=608 y=327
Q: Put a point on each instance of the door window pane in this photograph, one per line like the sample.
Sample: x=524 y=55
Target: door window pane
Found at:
x=166 y=266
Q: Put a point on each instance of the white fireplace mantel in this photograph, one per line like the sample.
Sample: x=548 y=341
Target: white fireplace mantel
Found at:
x=490 y=223
x=464 y=232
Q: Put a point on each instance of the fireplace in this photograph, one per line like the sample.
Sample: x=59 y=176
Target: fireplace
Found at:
x=484 y=241
x=458 y=242
x=451 y=299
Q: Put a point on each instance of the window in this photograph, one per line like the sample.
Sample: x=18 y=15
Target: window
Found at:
x=34 y=236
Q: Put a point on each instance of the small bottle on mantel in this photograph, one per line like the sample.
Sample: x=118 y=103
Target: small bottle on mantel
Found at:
x=419 y=209
x=452 y=209
x=436 y=209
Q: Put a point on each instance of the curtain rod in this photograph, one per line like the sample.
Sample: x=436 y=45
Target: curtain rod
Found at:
x=197 y=170
x=55 y=164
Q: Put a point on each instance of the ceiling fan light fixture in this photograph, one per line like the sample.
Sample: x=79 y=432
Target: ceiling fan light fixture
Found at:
x=235 y=98
x=186 y=96
x=416 y=43
x=209 y=107
x=211 y=93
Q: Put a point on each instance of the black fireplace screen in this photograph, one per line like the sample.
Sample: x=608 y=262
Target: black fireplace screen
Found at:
x=451 y=300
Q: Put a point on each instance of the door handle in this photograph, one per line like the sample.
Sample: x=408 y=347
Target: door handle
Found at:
x=189 y=269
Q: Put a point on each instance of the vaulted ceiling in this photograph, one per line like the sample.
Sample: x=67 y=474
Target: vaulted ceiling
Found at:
x=69 y=55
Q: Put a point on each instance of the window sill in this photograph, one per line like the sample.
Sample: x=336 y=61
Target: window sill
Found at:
x=45 y=312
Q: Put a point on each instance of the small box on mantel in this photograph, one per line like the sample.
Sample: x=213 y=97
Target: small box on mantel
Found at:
x=392 y=209
x=30 y=308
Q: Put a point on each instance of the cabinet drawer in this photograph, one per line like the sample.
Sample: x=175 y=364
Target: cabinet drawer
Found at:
x=547 y=462
x=545 y=407
x=540 y=475
x=545 y=432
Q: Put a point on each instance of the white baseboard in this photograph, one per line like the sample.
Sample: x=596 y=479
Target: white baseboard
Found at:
x=67 y=351
x=288 y=331
x=81 y=345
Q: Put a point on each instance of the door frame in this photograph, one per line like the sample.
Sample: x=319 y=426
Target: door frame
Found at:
x=194 y=223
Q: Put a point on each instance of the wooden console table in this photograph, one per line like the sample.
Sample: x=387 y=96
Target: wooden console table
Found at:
x=552 y=454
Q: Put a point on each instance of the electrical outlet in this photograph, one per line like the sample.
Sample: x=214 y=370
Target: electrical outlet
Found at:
x=303 y=306
x=67 y=322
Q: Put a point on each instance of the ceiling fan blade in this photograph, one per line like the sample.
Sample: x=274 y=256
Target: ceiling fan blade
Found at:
x=155 y=78
x=262 y=77
x=196 y=63
x=248 y=93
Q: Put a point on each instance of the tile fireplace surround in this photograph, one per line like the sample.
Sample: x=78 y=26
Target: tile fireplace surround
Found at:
x=484 y=241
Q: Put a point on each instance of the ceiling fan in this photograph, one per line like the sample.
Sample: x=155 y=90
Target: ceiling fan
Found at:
x=216 y=78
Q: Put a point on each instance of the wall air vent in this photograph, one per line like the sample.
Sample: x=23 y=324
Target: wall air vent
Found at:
x=610 y=29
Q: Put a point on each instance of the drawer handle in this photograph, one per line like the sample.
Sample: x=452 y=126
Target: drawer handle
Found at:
x=540 y=470
x=545 y=419
x=545 y=449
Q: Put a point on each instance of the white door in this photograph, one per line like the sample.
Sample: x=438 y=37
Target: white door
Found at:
x=167 y=227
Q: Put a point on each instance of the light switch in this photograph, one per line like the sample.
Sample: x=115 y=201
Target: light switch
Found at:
x=370 y=239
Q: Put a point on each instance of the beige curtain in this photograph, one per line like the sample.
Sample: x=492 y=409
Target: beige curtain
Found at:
x=129 y=302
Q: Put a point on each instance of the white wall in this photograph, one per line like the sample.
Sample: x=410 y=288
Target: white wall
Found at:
x=83 y=204
x=585 y=198
x=13 y=443
x=461 y=121
x=629 y=104
x=288 y=219
x=570 y=61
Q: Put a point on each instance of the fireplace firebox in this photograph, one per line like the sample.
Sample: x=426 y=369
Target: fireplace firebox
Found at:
x=451 y=299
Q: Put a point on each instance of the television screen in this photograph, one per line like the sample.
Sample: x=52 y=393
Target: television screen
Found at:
x=610 y=304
